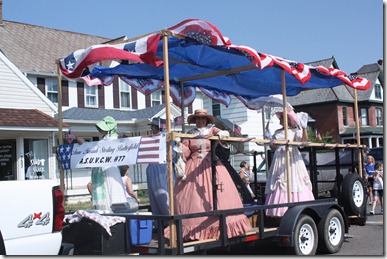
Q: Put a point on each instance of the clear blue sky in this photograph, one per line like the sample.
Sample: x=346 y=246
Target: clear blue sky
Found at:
x=299 y=30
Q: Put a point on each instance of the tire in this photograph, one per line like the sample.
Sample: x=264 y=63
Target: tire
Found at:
x=305 y=236
x=331 y=232
x=354 y=199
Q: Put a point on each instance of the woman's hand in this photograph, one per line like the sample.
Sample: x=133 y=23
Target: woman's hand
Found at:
x=81 y=141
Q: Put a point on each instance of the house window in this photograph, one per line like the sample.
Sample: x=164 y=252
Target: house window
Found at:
x=345 y=116
x=216 y=109
x=125 y=95
x=378 y=91
x=52 y=90
x=91 y=94
x=363 y=117
x=379 y=120
x=156 y=98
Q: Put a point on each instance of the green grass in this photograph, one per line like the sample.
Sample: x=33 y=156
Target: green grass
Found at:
x=142 y=194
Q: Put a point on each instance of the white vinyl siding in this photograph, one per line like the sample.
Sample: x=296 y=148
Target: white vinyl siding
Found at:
x=18 y=94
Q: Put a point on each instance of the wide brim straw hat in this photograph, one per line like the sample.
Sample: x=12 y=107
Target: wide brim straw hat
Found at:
x=292 y=118
x=200 y=113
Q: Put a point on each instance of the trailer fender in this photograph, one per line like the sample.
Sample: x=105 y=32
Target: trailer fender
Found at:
x=317 y=212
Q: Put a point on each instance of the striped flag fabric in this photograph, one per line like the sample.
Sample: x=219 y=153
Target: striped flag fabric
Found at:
x=201 y=31
x=152 y=150
x=81 y=62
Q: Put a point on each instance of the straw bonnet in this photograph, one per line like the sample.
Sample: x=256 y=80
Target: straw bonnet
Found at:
x=200 y=113
x=292 y=118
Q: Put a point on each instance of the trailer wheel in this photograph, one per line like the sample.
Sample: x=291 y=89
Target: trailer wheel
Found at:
x=331 y=232
x=305 y=236
x=353 y=194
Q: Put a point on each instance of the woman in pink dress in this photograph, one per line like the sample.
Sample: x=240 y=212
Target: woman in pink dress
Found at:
x=195 y=193
x=276 y=183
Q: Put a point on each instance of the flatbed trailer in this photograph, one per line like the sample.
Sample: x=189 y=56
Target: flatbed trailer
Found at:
x=298 y=228
x=221 y=69
x=306 y=227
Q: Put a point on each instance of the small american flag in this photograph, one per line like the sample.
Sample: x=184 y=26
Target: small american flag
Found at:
x=318 y=135
x=237 y=129
x=64 y=153
x=178 y=121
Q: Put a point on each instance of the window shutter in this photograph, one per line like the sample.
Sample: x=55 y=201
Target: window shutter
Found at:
x=81 y=94
x=190 y=109
x=41 y=82
x=101 y=96
x=116 y=93
x=133 y=92
x=162 y=96
x=65 y=93
x=148 y=101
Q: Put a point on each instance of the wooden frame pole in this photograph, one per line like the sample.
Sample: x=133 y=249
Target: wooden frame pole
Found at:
x=286 y=127
x=360 y=164
x=172 y=239
x=60 y=126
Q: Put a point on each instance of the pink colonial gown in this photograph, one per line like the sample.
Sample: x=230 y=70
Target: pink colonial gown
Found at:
x=276 y=183
x=195 y=193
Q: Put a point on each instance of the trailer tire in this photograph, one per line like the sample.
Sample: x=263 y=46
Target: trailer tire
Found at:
x=305 y=236
x=353 y=194
x=331 y=232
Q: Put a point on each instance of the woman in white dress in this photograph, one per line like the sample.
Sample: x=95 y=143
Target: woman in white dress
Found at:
x=276 y=184
x=106 y=185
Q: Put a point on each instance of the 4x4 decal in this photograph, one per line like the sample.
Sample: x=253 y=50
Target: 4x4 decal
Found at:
x=38 y=218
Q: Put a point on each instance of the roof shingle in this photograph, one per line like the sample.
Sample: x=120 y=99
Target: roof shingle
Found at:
x=31 y=118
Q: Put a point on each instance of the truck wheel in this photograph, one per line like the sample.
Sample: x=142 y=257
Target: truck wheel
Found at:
x=305 y=236
x=331 y=232
x=353 y=194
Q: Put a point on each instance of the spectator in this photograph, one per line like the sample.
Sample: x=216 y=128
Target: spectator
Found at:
x=130 y=195
x=244 y=172
x=194 y=195
x=276 y=184
x=378 y=187
x=247 y=183
x=370 y=168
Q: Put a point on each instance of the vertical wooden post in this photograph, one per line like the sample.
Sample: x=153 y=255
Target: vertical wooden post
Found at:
x=265 y=146
x=285 y=119
x=60 y=127
x=182 y=106
x=172 y=239
x=360 y=164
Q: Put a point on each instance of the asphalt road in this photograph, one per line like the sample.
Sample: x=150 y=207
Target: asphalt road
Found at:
x=368 y=239
x=361 y=240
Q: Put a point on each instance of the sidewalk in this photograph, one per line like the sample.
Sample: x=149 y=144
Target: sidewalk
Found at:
x=377 y=218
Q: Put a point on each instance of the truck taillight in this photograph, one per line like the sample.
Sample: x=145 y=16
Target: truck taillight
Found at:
x=59 y=210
